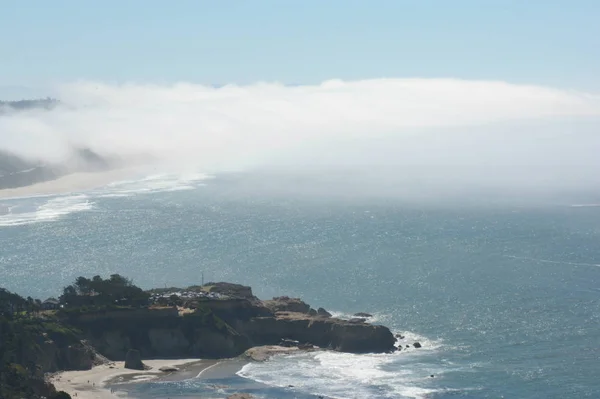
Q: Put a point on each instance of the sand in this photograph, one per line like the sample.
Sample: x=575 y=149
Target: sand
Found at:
x=68 y=183
x=92 y=384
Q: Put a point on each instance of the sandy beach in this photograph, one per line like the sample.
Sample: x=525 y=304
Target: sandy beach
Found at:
x=68 y=183
x=92 y=384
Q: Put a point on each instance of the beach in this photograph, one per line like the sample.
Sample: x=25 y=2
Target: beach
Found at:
x=94 y=383
x=68 y=183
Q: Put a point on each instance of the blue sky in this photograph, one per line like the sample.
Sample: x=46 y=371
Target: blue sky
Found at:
x=542 y=42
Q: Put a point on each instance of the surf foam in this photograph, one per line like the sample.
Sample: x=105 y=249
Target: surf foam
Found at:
x=342 y=375
x=153 y=184
x=49 y=210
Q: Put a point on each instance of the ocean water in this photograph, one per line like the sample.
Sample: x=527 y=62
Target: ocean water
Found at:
x=505 y=299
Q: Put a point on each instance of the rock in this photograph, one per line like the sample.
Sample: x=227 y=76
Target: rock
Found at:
x=231 y=290
x=168 y=369
x=287 y=304
x=221 y=328
x=417 y=345
x=263 y=353
x=362 y=314
x=323 y=313
x=399 y=336
x=312 y=312
x=240 y=396
x=133 y=360
x=306 y=346
x=332 y=333
x=408 y=346
x=357 y=320
x=289 y=343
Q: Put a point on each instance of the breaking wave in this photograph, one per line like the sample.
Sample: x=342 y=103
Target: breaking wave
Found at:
x=153 y=184
x=405 y=374
x=31 y=210
x=46 y=208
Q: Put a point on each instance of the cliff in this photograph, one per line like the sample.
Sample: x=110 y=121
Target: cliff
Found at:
x=31 y=347
x=217 y=320
x=224 y=327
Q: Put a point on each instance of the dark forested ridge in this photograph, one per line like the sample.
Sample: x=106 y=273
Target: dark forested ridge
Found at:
x=24 y=105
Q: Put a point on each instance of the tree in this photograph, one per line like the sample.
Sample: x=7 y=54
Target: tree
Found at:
x=99 y=292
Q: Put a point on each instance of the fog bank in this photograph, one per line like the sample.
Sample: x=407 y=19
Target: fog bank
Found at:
x=440 y=133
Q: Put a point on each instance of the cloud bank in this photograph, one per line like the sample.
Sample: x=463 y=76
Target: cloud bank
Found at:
x=425 y=124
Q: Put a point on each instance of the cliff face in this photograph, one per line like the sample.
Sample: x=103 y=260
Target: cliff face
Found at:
x=221 y=328
x=44 y=347
x=160 y=333
x=330 y=333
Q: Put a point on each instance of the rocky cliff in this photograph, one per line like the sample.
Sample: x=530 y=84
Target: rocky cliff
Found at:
x=225 y=327
x=159 y=333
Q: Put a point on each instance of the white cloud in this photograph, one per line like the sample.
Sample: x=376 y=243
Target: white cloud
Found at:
x=423 y=121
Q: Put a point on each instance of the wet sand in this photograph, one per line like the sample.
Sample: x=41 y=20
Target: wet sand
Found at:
x=101 y=382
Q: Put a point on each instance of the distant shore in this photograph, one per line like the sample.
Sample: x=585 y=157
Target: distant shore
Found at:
x=96 y=383
x=68 y=183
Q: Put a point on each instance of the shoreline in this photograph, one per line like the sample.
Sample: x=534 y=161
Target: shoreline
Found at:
x=96 y=382
x=80 y=181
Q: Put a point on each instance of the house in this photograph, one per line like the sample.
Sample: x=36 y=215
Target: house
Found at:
x=50 y=304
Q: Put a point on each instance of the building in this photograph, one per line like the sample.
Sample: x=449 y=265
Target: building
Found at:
x=50 y=304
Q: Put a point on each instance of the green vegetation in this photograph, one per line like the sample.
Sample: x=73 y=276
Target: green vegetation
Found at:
x=25 y=329
x=98 y=292
x=21 y=332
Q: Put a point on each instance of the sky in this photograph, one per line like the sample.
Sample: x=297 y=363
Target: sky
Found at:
x=540 y=42
x=481 y=92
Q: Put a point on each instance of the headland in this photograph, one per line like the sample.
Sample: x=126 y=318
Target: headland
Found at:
x=100 y=329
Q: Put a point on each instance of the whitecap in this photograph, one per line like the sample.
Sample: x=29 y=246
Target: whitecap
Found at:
x=50 y=210
x=153 y=184
x=349 y=376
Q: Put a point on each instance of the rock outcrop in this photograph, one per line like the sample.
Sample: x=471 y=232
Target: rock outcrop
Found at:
x=330 y=333
x=133 y=360
x=227 y=327
x=287 y=304
x=262 y=353
x=168 y=369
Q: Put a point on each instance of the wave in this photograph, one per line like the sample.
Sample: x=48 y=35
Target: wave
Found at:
x=410 y=337
x=375 y=319
x=556 y=262
x=25 y=210
x=50 y=210
x=404 y=374
x=153 y=184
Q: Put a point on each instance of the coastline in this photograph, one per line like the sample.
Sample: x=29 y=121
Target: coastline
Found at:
x=69 y=183
x=94 y=383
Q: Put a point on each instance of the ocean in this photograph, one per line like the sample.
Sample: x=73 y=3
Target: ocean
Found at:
x=504 y=297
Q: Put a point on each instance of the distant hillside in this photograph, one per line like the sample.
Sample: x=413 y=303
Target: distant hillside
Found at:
x=24 y=105
x=16 y=171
